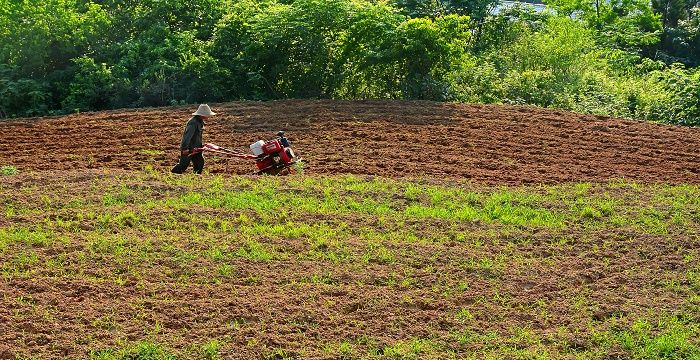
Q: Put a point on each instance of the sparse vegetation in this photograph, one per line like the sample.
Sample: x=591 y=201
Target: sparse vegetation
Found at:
x=422 y=268
x=8 y=170
x=139 y=351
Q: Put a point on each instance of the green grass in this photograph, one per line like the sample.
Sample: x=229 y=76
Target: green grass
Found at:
x=139 y=351
x=670 y=337
x=210 y=350
x=253 y=250
x=151 y=152
x=568 y=271
x=8 y=170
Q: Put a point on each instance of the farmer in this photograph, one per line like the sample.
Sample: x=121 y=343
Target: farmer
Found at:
x=191 y=139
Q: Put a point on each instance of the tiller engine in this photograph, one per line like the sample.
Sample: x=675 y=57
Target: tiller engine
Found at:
x=273 y=157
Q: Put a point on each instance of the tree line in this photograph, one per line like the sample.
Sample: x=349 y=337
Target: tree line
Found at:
x=628 y=58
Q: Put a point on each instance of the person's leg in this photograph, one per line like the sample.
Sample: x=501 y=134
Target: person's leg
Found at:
x=182 y=165
x=197 y=163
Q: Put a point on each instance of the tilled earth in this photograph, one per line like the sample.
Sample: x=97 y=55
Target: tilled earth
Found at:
x=85 y=269
x=485 y=143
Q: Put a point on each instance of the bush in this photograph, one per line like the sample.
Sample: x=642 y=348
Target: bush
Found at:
x=476 y=81
x=427 y=51
x=21 y=96
x=671 y=95
x=601 y=94
x=535 y=87
x=94 y=87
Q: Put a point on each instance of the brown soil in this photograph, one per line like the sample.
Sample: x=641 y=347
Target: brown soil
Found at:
x=492 y=144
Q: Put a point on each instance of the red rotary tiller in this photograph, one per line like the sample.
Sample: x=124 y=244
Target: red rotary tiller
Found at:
x=273 y=157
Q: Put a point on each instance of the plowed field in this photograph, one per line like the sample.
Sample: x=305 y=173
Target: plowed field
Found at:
x=489 y=232
x=491 y=144
x=122 y=265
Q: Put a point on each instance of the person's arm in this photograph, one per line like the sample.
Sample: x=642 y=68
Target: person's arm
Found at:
x=187 y=136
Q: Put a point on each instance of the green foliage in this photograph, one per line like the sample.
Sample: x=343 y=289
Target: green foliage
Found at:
x=671 y=95
x=43 y=36
x=626 y=24
x=93 y=86
x=604 y=57
x=8 y=170
x=426 y=51
x=672 y=11
x=477 y=9
x=420 y=8
x=688 y=34
x=139 y=351
x=295 y=48
x=477 y=81
x=21 y=97
x=543 y=66
x=308 y=48
x=500 y=31
x=559 y=46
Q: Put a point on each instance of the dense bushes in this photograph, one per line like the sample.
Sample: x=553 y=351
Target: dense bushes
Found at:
x=621 y=58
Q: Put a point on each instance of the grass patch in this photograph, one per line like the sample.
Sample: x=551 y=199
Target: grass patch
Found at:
x=278 y=261
x=8 y=170
x=255 y=251
x=151 y=152
x=139 y=351
x=670 y=337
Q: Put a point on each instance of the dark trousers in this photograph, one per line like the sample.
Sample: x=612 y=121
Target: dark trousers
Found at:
x=197 y=164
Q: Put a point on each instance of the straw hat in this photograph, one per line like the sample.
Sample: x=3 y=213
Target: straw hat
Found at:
x=204 y=110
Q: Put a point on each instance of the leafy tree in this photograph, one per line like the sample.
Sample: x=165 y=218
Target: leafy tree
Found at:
x=672 y=11
x=133 y=16
x=626 y=24
x=366 y=66
x=604 y=57
x=680 y=39
x=21 y=97
x=426 y=51
x=502 y=30
x=294 y=45
x=97 y=86
x=40 y=39
x=230 y=40
x=309 y=48
x=476 y=9
x=690 y=39
x=41 y=36
x=420 y=8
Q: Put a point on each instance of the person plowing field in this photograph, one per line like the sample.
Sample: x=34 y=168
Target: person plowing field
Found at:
x=272 y=157
x=192 y=141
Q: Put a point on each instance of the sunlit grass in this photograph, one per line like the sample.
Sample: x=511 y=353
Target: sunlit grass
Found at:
x=475 y=251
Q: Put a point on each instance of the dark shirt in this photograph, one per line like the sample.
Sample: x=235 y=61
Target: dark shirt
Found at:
x=192 y=138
